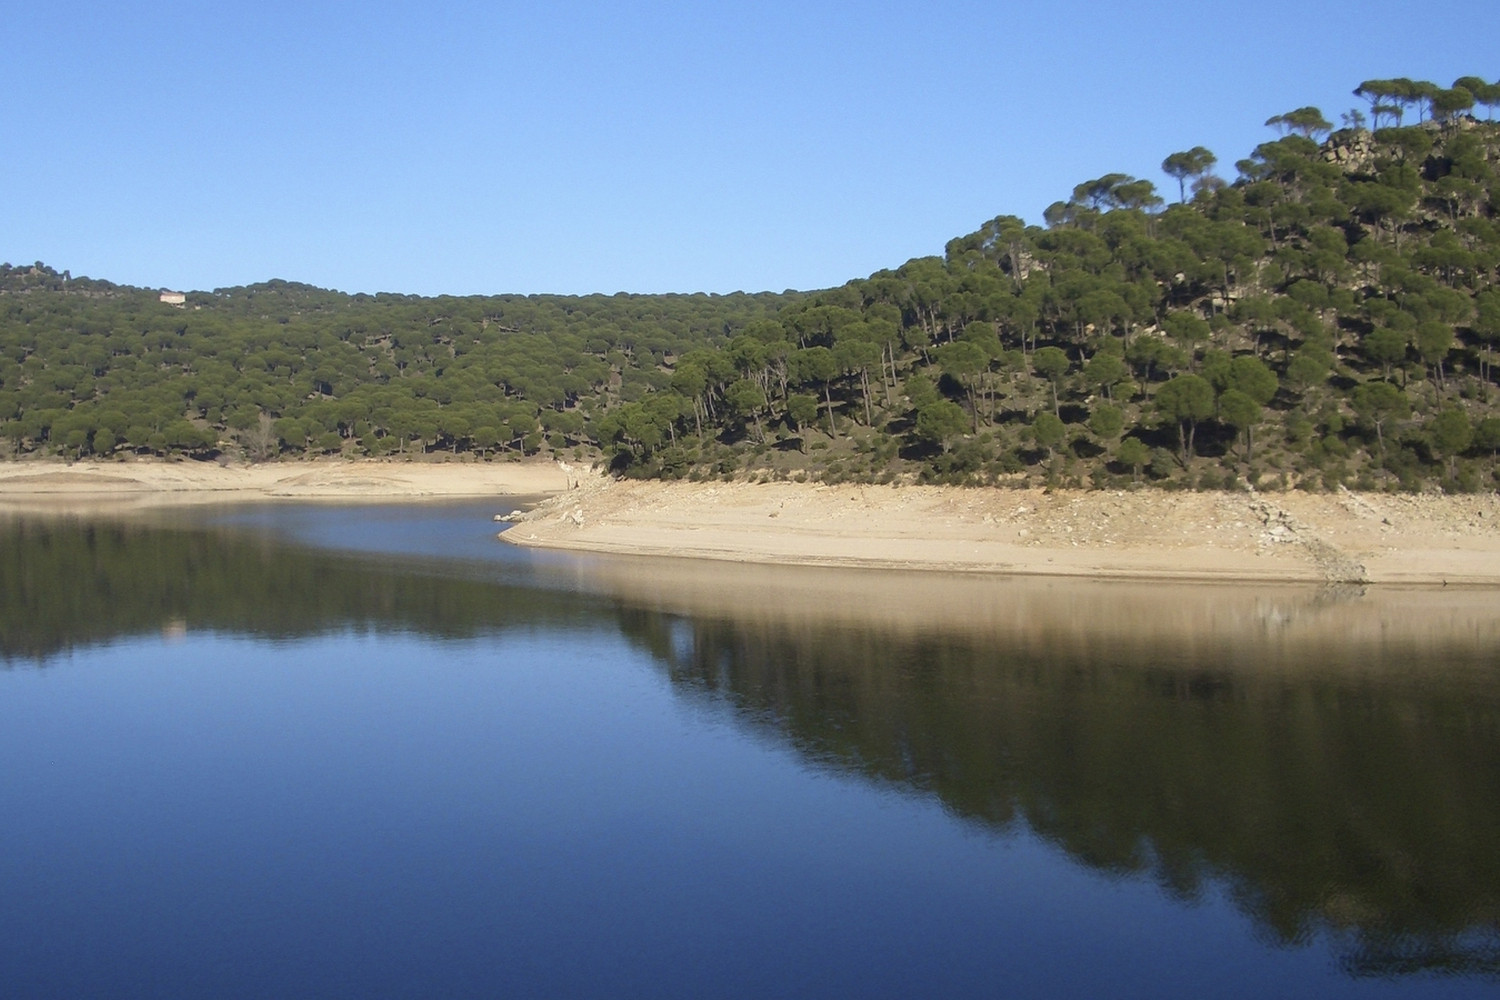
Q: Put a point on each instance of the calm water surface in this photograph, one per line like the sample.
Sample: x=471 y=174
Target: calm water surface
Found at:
x=332 y=751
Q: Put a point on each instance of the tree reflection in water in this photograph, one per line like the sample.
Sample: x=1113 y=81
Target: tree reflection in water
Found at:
x=1333 y=759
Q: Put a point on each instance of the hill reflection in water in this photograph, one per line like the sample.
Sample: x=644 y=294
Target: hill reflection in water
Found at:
x=1332 y=757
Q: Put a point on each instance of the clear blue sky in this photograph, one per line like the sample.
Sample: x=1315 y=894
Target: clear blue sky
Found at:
x=580 y=147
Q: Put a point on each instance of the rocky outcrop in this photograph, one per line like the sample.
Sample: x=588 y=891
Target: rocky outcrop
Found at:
x=1352 y=149
x=1281 y=528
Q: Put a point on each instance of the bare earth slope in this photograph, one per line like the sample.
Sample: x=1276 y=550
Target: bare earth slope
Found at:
x=1342 y=537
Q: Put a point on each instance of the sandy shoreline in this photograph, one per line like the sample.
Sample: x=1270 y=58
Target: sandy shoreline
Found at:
x=1271 y=537
x=89 y=487
x=1105 y=535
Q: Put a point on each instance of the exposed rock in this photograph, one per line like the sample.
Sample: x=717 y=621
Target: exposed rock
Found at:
x=1281 y=528
x=1352 y=149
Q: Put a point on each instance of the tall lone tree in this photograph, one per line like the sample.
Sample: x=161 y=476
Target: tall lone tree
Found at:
x=1450 y=104
x=1382 y=97
x=1194 y=163
x=1307 y=122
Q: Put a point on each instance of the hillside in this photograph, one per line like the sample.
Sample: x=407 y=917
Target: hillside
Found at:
x=1327 y=318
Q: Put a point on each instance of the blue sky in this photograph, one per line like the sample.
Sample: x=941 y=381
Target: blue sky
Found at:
x=580 y=147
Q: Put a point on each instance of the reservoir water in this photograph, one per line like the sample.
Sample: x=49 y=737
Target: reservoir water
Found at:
x=372 y=751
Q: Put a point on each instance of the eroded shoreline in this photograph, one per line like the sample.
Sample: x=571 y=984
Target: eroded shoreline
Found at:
x=119 y=487
x=1147 y=534
x=1107 y=535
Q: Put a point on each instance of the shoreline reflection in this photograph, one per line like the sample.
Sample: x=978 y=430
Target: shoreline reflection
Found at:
x=1332 y=758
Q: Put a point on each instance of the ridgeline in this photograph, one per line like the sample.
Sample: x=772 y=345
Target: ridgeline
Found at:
x=1326 y=319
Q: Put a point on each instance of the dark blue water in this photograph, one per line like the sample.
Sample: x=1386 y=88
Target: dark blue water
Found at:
x=532 y=788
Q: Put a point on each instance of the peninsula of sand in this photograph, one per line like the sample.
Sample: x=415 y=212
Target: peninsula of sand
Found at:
x=1143 y=534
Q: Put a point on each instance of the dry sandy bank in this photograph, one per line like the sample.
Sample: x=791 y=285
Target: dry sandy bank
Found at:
x=82 y=487
x=1147 y=534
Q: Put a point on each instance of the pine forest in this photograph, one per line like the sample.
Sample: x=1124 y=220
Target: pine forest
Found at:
x=1322 y=314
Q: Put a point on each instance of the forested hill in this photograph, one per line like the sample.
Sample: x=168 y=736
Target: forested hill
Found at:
x=281 y=368
x=1325 y=318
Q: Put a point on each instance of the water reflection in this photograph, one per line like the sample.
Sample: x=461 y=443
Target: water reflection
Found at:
x=1331 y=757
x=1345 y=803
x=66 y=584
